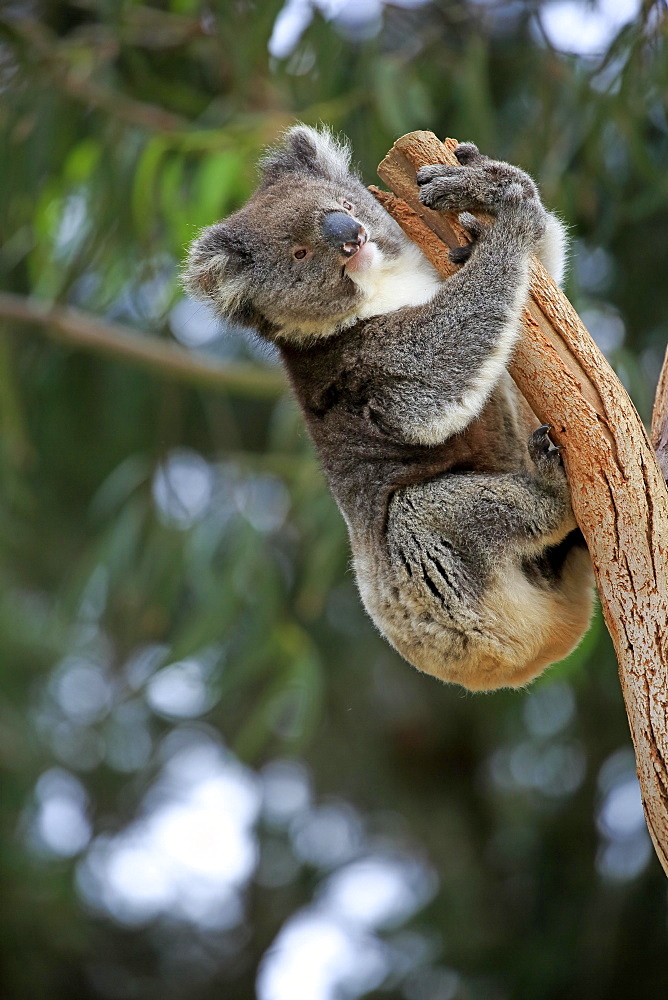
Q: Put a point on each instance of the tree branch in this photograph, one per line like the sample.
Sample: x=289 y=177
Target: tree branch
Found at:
x=82 y=330
x=619 y=495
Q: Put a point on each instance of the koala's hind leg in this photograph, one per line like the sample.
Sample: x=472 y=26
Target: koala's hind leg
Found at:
x=490 y=513
x=466 y=590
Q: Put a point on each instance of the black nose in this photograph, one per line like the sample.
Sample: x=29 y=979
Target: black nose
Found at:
x=339 y=229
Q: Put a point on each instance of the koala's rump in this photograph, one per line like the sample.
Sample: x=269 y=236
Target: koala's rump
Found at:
x=482 y=623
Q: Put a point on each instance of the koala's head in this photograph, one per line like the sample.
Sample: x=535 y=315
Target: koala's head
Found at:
x=302 y=258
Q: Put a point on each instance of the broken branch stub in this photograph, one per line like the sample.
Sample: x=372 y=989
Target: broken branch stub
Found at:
x=618 y=492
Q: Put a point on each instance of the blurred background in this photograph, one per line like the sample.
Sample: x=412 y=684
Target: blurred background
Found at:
x=218 y=781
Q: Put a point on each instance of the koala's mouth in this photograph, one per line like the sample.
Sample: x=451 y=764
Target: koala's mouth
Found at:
x=361 y=256
x=352 y=247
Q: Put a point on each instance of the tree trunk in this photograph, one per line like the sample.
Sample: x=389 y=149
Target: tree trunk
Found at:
x=618 y=492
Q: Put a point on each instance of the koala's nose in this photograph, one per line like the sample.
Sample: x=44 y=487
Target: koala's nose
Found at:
x=343 y=232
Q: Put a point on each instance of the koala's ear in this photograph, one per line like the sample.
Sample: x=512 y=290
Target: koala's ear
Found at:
x=217 y=267
x=307 y=150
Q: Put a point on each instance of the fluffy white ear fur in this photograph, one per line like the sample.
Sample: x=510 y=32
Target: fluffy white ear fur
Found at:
x=331 y=155
x=208 y=278
x=310 y=149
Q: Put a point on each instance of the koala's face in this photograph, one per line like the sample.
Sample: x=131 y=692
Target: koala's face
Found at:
x=299 y=259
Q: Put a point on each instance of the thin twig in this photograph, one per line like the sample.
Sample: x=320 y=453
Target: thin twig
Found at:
x=85 y=331
x=659 y=433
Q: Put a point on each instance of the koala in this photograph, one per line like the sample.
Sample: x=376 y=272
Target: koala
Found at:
x=465 y=549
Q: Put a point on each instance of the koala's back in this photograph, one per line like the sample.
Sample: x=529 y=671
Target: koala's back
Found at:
x=367 y=459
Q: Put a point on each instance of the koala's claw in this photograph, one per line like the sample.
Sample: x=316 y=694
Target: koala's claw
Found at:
x=430 y=172
x=438 y=186
x=481 y=184
x=466 y=153
x=539 y=442
x=444 y=192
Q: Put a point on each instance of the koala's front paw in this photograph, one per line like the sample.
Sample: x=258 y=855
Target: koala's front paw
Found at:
x=480 y=184
x=444 y=188
x=468 y=153
x=475 y=229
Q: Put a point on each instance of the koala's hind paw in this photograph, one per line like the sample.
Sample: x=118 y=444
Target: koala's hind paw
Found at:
x=545 y=456
x=539 y=443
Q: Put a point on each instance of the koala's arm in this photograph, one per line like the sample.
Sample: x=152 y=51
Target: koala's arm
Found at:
x=446 y=356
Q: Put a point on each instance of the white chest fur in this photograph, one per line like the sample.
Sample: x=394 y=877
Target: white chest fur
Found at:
x=392 y=283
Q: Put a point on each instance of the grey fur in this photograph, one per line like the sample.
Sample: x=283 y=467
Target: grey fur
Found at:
x=464 y=545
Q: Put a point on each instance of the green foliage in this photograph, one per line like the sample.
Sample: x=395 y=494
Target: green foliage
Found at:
x=175 y=576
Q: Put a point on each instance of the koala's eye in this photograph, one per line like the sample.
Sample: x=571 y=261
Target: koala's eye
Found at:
x=348 y=207
x=299 y=253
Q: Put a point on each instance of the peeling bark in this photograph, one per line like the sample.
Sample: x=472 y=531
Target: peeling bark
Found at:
x=618 y=491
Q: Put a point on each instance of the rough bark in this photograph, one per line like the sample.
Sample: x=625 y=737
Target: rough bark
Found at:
x=618 y=492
